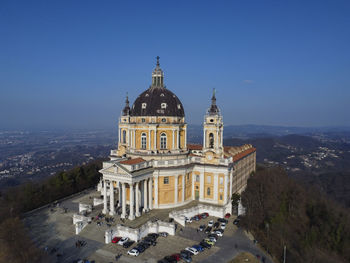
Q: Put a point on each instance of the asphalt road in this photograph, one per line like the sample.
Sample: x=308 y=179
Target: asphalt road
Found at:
x=228 y=251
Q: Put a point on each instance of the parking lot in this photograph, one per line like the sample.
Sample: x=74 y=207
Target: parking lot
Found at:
x=53 y=231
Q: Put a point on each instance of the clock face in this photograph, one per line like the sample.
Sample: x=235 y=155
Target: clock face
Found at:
x=209 y=157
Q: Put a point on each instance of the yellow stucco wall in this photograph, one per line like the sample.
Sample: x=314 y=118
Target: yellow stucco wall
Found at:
x=166 y=194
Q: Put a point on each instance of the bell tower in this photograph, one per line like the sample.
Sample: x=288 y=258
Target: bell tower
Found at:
x=213 y=128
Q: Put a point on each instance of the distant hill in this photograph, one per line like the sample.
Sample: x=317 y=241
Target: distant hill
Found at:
x=321 y=163
x=195 y=132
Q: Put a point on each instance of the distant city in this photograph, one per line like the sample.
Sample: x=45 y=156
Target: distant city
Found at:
x=26 y=156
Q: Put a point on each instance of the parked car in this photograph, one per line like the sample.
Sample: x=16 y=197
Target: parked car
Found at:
x=170 y=259
x=145 y=244
x=128 y=244
x=188 y=253
x=211 y=223
x=186 y=257
x=223 y=225
x=176 y=256
x=204 y=215
x=205 y=244
x=163 y=234
x=123 y=240
x=201 y=228
x=149 y=242
x=213 y=238
x=210 y=242
x=153 y=238
x=116 y=239
x=192 y=250
x=188 y=220
x=140 y=248
x=133 y=252
x=218 y=233
x=227 y=215
x=236 y=221
x=207 y=230
x=217 y=224
x=155 y=235
x=198 y=247
x=222 y=220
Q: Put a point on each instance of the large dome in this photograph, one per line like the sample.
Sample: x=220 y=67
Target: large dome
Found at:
x=157 y=101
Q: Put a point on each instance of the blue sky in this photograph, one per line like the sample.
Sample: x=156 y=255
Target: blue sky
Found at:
x=69 y=64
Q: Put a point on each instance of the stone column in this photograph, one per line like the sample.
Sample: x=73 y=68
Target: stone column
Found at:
x=149 y=139
x=176 y=188
x=104 y=211
x=204 y=139
x=230 y=184
x=124 y=201
x=131 y=214
x=173 y=139
x=222 y=137
x=178 y=139
x=150 y=192
x=155 y=139
x=111 y=202
x=216 y=187
x=120 y=195
x=193 y=180
x=201 y=186
x=137 y=199
x=134 y=138
x=225 y=188
x=183 y=187
x=156 y=191
x=185 y=131
x=145 y=205
x=217 y=139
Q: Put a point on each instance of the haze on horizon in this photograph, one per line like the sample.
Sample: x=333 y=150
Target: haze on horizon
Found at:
x=69 y=64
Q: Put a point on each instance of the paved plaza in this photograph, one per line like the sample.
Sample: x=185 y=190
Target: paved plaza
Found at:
x=52 y=230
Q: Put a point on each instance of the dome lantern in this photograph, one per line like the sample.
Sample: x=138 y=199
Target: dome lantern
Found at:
x=157 y=76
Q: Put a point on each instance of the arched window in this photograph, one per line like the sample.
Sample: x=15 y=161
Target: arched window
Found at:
x=143 y=140
x=211 y=140
x=163 y=141
x=208 y=191
x=124 y=136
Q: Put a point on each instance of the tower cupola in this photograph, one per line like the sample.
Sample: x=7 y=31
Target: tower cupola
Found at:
x=126 y=110
x=213 y=110
x=157 y=76
x=213 y=129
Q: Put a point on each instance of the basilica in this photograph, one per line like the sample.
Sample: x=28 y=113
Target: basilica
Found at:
x=154 y=167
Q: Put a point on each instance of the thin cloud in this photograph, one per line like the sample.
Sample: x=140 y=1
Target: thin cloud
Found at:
x=248 y=81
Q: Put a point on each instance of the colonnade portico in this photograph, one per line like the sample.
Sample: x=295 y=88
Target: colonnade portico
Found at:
x=140 y=194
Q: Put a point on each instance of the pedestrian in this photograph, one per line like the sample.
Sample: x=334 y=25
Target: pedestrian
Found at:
x=236 y=246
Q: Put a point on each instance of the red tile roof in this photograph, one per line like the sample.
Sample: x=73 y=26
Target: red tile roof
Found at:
x=133 y=161
x=240 y=155
x=194 y=147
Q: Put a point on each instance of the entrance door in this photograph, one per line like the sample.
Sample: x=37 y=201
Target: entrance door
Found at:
x=197 y=195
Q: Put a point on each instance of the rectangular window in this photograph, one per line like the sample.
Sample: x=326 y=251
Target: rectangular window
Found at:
x=188 y=177
x=197 y=178
x=143 y=142
x=220 y=197
x=166 y=180
x=208 y=179
x=221 y=180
